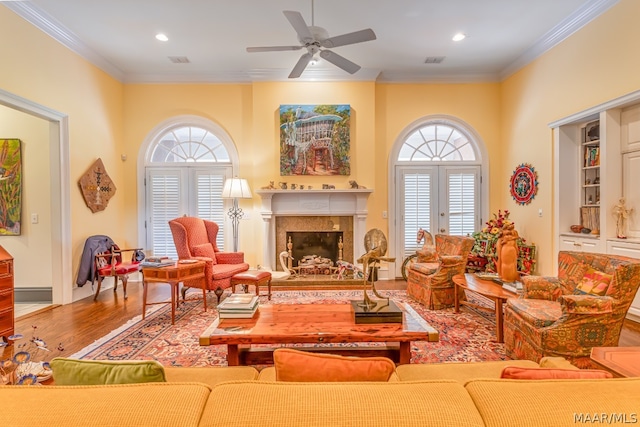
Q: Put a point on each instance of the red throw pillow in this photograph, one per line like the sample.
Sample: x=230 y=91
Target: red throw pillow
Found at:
x=204 y=250
x=517 y=373
x=302 y=366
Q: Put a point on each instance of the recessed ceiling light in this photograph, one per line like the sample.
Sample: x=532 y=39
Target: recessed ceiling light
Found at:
x=162 y=37
x=458 y=37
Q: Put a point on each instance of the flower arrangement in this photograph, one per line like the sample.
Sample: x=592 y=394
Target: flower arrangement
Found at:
x=24 y=366
x=486 y=239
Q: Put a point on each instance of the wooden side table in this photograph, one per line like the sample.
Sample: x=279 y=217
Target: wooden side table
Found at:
x=173 y=275
x=486 y=288
x=620 y=361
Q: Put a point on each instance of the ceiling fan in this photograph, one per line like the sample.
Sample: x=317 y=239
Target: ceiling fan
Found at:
x=316 y=39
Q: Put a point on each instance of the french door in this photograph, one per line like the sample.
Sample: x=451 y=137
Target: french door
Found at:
x=182 y=191
x=440 y=199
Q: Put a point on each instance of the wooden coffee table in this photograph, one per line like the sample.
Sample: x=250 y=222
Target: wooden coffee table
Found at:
x=620 y=361
x=486 y=288
x=315 y=324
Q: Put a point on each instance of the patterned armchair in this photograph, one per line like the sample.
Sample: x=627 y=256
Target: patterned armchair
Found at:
x=195 y=238
x=430 y=278
x=566 y=316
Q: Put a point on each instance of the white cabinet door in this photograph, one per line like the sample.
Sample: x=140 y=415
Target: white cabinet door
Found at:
x=617 y=247
x=581 y=244
x=631 y=192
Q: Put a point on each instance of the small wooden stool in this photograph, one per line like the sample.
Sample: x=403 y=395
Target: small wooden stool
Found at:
x=252 y=277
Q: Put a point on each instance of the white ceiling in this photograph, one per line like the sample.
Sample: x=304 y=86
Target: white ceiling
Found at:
x=119 y=36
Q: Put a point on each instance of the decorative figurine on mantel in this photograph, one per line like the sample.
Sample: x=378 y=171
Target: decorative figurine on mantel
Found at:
x=622 y=213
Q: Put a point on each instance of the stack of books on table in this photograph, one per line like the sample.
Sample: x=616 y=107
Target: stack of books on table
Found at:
x=514 y=287
x=238 y=306
x=157 y=262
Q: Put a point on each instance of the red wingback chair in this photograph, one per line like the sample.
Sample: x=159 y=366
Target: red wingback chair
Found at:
x=430 y=278
x=195 y=238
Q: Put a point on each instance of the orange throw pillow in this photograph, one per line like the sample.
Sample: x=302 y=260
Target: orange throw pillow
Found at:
x=517 y=373
x=204 y=250
x=301 y=366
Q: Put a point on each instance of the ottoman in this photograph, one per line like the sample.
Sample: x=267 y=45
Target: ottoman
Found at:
x=252 y=277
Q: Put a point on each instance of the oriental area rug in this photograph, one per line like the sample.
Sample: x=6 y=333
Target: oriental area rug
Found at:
x=464 y=337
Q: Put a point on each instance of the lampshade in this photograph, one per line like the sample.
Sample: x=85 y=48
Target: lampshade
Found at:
x=236 y=188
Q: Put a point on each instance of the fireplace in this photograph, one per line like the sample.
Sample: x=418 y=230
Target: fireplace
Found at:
x=313 y=210
x=325 y=246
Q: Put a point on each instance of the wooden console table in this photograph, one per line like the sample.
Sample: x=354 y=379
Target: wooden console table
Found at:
x=173 y=275
x=620 y=361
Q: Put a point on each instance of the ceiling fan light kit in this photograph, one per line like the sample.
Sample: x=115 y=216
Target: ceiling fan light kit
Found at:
x=316 y=40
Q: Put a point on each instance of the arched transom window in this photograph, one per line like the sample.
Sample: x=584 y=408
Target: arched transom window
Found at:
x=437 y=143
x=189 y=144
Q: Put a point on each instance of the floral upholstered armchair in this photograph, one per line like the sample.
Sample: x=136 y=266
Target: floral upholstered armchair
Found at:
x=566 y=316
x=430 y=278
x=195 y=238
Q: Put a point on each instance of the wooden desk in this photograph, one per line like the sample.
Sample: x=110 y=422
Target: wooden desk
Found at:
x=620 y=361
x=316 y=324
x=486 y=288
x=173 y=275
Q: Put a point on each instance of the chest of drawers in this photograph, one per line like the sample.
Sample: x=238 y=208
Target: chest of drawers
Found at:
x=6 y=293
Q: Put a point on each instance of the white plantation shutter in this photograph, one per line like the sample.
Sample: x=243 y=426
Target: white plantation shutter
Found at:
x=209 y=203
x=461 y=191
x=164 y=200
x=175 y=192
x=418 y=203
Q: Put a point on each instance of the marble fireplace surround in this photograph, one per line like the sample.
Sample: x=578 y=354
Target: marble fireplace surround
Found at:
x=312 y=203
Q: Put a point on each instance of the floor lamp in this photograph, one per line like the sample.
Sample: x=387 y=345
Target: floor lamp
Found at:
x=235 y=188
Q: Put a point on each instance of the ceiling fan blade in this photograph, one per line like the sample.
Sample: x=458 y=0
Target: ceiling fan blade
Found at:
x=301 y=65
x=349 y=38
x=297 y=22
x=340 y=61
x=272 y=48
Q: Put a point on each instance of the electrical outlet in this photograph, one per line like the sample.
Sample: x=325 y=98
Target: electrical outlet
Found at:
x=34 y=218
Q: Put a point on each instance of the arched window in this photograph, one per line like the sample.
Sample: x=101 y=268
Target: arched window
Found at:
x=185 y=169
x=189 y=144
x=437 y=166
x=436 y=143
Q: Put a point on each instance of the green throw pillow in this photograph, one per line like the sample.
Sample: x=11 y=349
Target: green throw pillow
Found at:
x=99 y=372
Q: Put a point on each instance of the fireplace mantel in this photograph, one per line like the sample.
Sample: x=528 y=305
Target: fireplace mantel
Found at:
x=349 y=202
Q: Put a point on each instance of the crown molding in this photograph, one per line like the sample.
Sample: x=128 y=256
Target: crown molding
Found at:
x=50 y=26
x=404 y=77
x=553 y=37
x=581 y=17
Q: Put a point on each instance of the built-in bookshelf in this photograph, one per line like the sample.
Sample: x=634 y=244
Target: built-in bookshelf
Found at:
x=590 y=145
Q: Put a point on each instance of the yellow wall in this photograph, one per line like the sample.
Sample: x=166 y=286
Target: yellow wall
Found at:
x=597 y=64
x=34 y=241
x=108 y=119
x=41 y=70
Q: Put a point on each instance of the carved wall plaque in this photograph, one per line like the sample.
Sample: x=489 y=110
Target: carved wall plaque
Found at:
x=97 y=187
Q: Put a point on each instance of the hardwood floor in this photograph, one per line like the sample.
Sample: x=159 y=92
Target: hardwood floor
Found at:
x=74 y=326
